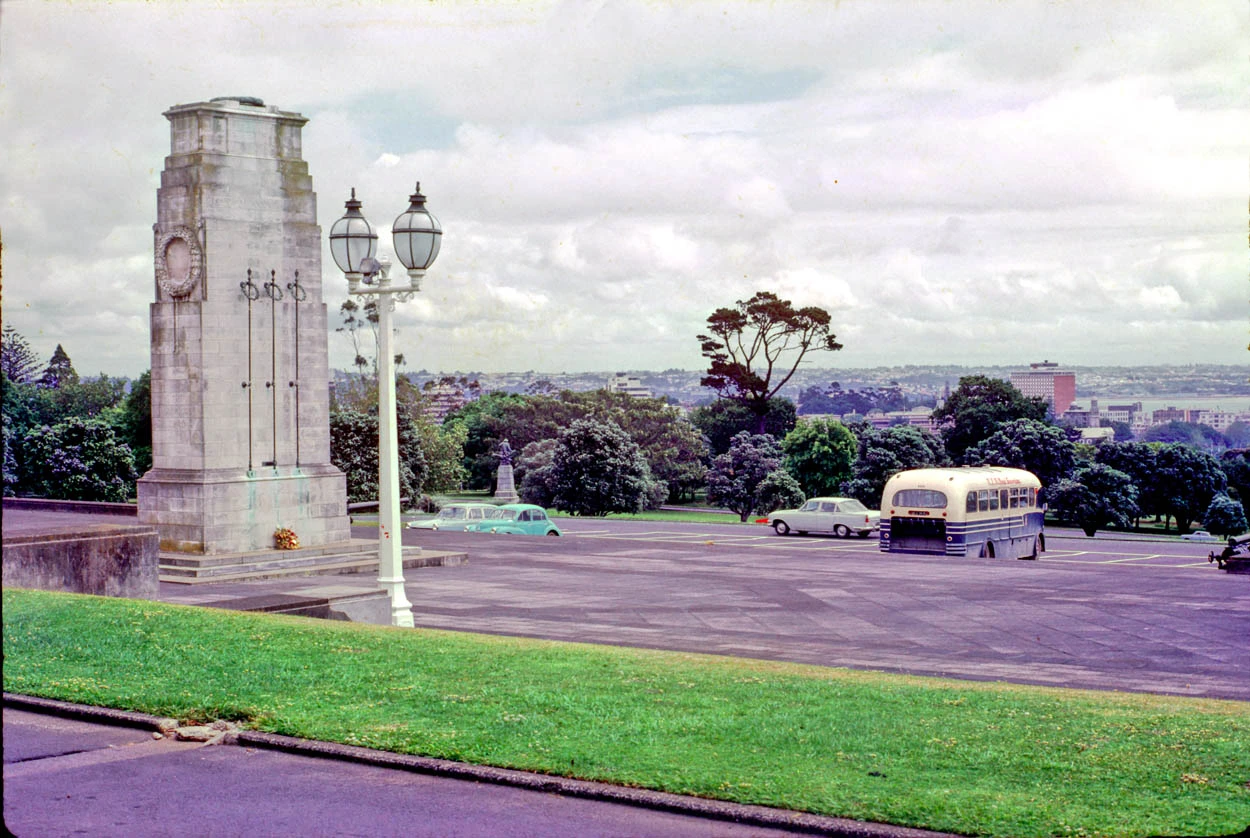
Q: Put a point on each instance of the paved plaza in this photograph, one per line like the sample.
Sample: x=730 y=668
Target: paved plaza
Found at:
x=1139 y=615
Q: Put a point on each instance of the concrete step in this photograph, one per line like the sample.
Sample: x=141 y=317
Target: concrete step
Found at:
x=280 y=563
x=340 y=549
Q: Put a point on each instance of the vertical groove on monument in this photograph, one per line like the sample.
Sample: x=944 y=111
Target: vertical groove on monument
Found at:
x=235 y=196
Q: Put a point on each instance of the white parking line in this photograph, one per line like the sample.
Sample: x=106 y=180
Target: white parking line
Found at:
x=1131 y=559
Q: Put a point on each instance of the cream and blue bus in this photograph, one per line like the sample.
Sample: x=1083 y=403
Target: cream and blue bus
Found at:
x=984 y=511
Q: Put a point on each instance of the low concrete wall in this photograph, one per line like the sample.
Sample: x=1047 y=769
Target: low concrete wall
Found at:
x=108 y=560
x=87 y=507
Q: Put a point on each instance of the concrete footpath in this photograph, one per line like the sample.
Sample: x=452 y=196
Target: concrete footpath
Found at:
x=76 y=770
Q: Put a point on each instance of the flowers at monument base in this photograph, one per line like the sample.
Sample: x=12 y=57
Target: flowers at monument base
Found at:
x=285 y=539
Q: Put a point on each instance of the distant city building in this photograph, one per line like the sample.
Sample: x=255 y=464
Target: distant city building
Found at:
x=442 y=398
x=629 y=385
x=1125 y=413
x=1169 y=414
x=1046 y=381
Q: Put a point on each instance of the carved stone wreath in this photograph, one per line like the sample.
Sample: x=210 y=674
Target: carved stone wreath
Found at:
x=179 y=262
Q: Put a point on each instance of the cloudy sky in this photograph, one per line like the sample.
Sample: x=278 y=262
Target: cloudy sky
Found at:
x=956 y=182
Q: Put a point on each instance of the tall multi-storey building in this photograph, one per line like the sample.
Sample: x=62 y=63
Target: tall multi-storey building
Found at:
x=1045 y=380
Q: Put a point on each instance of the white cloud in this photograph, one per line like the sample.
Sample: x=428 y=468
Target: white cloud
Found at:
x=963 y=183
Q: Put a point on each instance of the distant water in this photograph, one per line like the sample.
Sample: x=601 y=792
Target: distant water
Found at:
x=1235 y=404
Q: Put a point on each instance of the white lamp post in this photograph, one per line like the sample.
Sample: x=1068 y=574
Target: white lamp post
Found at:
x=353 y=243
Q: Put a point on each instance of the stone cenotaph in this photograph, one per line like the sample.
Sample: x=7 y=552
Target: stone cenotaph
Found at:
x=240 y=398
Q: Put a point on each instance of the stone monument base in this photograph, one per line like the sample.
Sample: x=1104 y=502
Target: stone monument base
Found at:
x=505 y=485
x=227 y=511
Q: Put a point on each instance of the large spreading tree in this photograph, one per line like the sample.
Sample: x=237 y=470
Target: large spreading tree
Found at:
x=819 y=455
x=596 y=469
x=755 y=347
x=978 y=407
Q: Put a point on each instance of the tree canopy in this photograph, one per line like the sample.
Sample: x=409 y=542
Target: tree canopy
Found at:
x=736 y=480
x=755 y=347
x=1186 y=481
x=17 y=360
x=977 y=407
x=723 y=419
x=819 y=454
x=1028 y=444
x=886 y=451
x=1094 y=497
x=597 y=469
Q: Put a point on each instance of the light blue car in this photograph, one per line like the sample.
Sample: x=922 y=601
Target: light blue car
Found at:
x=516 y=519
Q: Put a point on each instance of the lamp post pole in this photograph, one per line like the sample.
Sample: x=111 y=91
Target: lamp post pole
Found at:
x=353 y=244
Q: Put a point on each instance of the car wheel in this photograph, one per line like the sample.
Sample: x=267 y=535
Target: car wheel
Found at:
x=553 y=532
x=841 y=531
x=781 y=527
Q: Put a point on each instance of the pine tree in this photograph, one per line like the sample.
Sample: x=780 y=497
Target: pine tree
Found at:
x=59 y=372
x=17 y=359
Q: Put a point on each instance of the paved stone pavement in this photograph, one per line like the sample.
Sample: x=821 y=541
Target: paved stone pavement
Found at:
x=1093 y=613
x=1142 y=616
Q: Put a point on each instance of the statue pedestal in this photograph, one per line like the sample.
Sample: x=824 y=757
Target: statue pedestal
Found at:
x=505 y=485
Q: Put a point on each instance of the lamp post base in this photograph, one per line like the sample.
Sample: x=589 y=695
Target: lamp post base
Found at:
x=401 y=608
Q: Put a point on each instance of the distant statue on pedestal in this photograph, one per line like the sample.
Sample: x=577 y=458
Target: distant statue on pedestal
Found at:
x=505 y=483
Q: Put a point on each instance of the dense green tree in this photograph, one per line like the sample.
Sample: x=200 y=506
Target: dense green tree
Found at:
x=11 y=475
x=18 y=361
x=1202 y=437
x=1123 y=432
x=886 y=451
x=977 y=408
x=535 y=472
x=779 y=490
x=1225 y=516
x=1237 y=435
x=819 y=454
x=838 y=402
x=1137 y=460
x=735 y=479
x=354 y=451
x=77 y=459
x=60 y=370
x=1236 y=466
x=723 y=419
x=484 y=426
x=1028 y=444
x=598 y=469
x=1187 y=480
x=1095 y=497
x=134 y=421
x=755 y=347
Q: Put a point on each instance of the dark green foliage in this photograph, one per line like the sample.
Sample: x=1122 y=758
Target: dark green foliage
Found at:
x=736 y=480
x=779 y=490
x=977 y=408
x=1137 y=460
x=534 y=471
x=1236 y=465
x=1186 y=480
x=755 y=347
x=18 y=361
x=1237 y=435
x=597 y=469
x=723 y=419
x=1203 y=437
x=838 y=402
x=60 y=370
x=819 y=454
x=1225 y=516
x=354 y=451
x=1096 y=496
x=886 y=451
x=78 y=459
x=671 y=446
x=134 y=421
x=1028 y=444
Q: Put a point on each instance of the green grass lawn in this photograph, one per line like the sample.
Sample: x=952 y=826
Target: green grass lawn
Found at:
x=974 y=758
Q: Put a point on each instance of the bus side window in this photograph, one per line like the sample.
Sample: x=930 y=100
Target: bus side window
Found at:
x=993 y=500
x=1002 y=498
x=972 y=502
x=983 y=500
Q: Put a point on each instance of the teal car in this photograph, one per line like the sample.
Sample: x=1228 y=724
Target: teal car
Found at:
x=516 y=519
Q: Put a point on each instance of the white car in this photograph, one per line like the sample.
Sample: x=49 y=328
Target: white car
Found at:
x=840 y=516
x=455 y=517
x=1199 y=535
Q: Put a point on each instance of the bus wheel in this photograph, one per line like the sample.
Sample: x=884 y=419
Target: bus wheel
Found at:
x=841 y=532
x=781 y=527
x=987 y=550
x=1032 y=556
